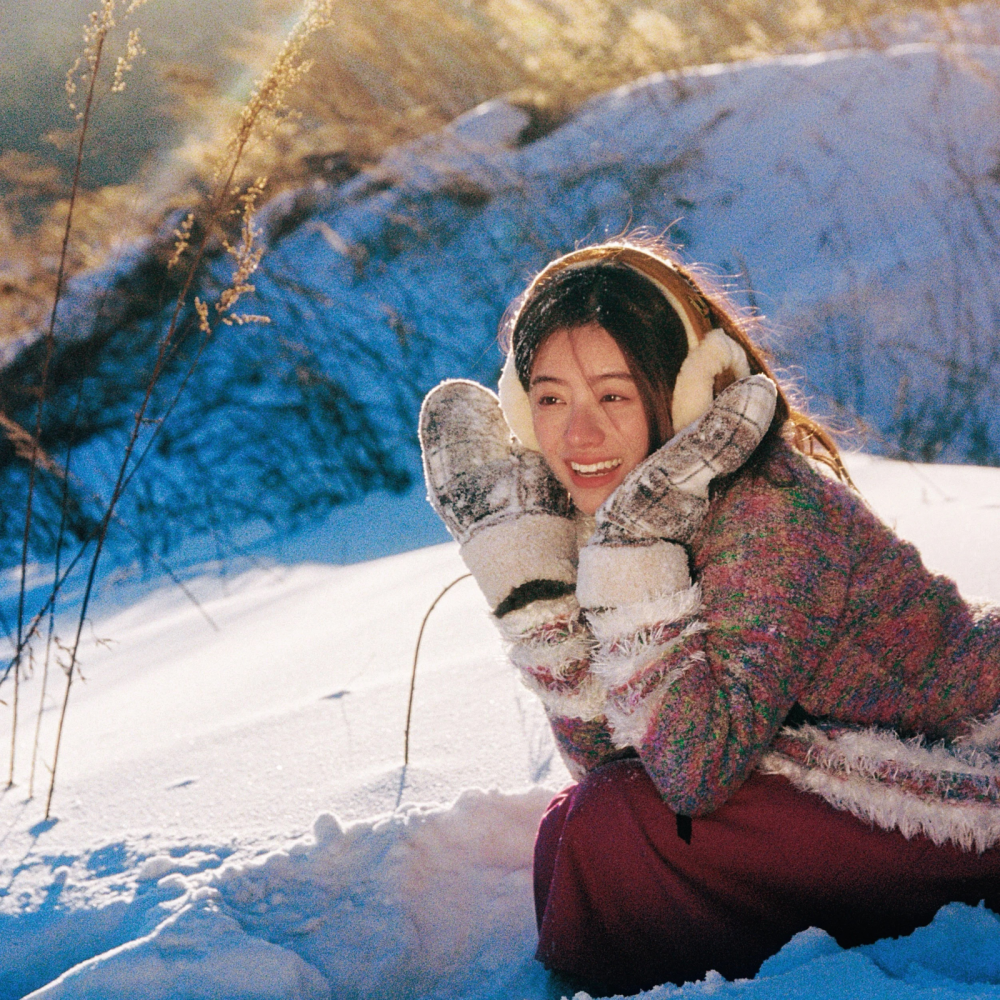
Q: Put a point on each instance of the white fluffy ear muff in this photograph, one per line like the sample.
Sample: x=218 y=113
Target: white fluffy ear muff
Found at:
x=694 y=389
x=516 y=406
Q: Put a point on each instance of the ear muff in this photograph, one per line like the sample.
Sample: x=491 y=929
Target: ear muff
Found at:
x=694 y=389
x=515 y=405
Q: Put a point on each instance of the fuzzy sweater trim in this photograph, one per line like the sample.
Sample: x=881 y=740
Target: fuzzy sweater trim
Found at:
x=550 y=645
x=947 y=792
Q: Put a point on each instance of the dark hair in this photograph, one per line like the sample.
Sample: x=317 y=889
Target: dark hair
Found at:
x=632 y=310
x=607 y=283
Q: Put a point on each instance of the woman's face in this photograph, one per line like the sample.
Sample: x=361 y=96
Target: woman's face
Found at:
x=587 y=413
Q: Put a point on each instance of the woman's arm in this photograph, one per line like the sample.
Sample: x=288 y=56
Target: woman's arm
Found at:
x=634 y=579
x=701 y=696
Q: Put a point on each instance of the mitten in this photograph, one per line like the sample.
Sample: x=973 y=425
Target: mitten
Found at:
x=516 y=528
x=634 y=580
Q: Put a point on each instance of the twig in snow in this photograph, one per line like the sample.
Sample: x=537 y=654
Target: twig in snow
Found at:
x=416 y=653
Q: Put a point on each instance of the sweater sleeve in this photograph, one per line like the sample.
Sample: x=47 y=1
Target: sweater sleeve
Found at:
x=550 y=645
x=701 y=697
x=585 y=744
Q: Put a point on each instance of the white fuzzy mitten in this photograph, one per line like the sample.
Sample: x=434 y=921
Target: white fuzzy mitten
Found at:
x=634 y=580
x=516 y=529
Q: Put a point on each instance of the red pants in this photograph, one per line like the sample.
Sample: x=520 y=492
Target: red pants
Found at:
x=623 y=903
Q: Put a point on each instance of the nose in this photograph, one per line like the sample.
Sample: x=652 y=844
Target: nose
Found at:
x=584 y=428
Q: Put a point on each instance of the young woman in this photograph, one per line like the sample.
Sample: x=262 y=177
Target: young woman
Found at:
x=778 y=718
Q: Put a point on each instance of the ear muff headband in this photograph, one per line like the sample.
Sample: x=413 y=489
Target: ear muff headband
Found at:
x=710 y=352
x=683 y=297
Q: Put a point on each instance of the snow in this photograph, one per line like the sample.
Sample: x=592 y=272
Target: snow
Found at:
x=232 y=817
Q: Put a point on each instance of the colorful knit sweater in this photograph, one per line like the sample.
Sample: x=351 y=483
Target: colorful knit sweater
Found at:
x=807 y=599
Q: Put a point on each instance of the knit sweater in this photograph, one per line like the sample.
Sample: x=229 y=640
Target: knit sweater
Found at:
x=806 y=598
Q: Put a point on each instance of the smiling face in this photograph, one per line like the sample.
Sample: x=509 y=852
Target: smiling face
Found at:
x=587 y=412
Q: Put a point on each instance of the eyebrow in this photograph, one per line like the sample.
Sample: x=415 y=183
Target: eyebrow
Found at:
x=538 y=379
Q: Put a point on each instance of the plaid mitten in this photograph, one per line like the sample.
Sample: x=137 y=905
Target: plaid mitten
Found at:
x=634 y=580
x=516 y=527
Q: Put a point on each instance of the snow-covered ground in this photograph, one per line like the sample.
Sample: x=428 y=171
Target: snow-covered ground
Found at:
x=232 y=818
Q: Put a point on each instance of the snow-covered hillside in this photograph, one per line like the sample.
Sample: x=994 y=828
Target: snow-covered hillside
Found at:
x=232 y=817
x=853 y=195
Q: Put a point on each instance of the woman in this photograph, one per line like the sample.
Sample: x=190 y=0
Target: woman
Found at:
x=731 y=648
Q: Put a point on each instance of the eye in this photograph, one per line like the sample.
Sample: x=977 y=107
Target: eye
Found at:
x=613 y=397
x=546 y=400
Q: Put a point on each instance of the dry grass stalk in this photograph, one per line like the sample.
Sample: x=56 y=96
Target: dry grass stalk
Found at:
x=183 y=234
x=132 y=52
x=26 y=446
x=246 y=254
x=94 y=34
x=264 y=110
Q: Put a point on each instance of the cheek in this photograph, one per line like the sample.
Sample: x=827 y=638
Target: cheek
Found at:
x=549 y=433
x=633 y=431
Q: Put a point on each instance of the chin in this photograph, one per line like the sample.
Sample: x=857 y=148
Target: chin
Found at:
x=587 y=501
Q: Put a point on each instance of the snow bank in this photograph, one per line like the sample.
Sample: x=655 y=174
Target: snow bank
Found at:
x=197 y=953
x=436 y=903
x=430 y=901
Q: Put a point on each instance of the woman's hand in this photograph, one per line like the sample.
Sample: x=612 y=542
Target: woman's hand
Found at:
x=500 y=502
x=515 y=524
x=666 y=496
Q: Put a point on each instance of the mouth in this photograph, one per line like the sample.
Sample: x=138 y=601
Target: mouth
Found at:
x=596 y=469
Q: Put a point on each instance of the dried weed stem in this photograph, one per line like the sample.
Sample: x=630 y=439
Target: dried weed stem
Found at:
x=264 y=111
x=94 y=34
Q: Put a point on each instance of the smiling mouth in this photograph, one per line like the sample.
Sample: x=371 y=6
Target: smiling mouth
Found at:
x=597 y=469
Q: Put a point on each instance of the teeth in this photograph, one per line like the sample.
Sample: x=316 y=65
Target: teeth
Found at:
x=596 y=468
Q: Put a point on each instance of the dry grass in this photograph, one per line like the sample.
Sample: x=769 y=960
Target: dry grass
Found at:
x=227 y=204
x=388 y=71
x=33 y=211
x=392 y=70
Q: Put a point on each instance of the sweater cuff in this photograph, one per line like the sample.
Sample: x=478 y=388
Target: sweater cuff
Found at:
x=550 y=646
x=611 y=576
x=636 y=658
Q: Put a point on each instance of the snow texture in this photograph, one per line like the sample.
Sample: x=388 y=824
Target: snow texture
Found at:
x=232 y=817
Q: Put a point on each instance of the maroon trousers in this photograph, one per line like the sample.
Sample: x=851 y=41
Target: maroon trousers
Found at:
x=624 y=903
